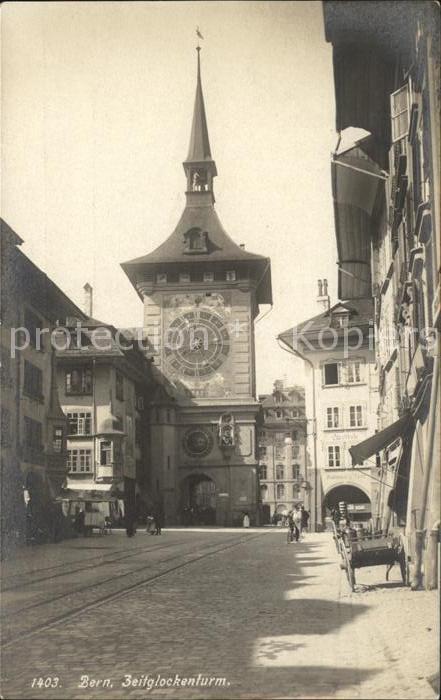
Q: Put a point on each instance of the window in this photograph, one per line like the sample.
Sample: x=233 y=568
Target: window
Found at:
x=57 y=443
x=280 y=491
x=33 y=432
x=295 y=450
x=296 y=472
x=80 y=423
x=79 y=461
x=341 y=320
x=33 y=380
x=334 y=456
x=264 y=492
x=355 y=416
x=119 y=386
x=353 y=372
x=79 y=381
x=105 y=453
x=332 y=417
x=262 y=450
x=295 y=491
x=262 y=433
x=399 y=110
x=279 y=414
x=161 y=278
x=231 y=276
x=208 y=276
x=279 y=452
x=295 y=435
x=263 y=472
x=280 y=437
x=280 y=472
x=184 y=277
x=195 y=241
x=32 y=322
x=331 y=373
x=5 y=427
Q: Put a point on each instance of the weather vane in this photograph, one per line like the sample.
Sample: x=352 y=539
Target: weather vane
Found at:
x=199 y=35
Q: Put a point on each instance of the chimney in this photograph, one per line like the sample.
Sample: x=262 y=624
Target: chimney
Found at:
x=323 y=299
x=88 y=300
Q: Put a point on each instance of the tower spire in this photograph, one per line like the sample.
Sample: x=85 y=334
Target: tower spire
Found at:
x=199 y=165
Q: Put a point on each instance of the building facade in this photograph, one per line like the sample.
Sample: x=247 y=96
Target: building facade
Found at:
x=282 y=451
x=33 y=426
x=341 y=393
x=201 y=293
x=104 y=389
x=386 y=194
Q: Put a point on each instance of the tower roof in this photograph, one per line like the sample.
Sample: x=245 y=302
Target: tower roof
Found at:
x=200 y=220
x=199 y=148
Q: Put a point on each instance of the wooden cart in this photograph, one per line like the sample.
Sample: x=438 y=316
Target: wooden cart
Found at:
x=358 y=551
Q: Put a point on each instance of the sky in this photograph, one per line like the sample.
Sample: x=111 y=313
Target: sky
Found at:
x=97 y=107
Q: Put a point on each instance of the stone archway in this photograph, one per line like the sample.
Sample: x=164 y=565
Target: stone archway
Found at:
x=198 y=500
x=343 y=492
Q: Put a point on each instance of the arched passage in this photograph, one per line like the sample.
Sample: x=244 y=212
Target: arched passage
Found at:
x=343 y=492
x=198 y=500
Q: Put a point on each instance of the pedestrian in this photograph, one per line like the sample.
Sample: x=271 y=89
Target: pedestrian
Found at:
x=297 y=517
x=291 y=526
x=246 y=520
x=305 y=518
x=157 y=514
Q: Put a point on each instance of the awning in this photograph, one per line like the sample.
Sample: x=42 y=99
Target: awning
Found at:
x=380 y=440
x=356 y=180
x=87 y=490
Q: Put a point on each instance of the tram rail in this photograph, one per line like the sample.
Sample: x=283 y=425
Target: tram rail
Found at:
x=210 y=550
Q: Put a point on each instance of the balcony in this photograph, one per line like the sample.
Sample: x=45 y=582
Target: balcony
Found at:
x=108 y=471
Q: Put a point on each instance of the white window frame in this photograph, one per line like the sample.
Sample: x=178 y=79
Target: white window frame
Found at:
x=356 y=416
x=184 y=278
x=80 y=417
x=208 y=277
x=350 y=370
x=110 y=451
x=334 y=454
x=397 y=113
x=333 y=417
x=79 y=461
x=230 y=275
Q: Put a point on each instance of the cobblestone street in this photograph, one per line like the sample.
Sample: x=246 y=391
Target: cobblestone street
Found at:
x=272 y=620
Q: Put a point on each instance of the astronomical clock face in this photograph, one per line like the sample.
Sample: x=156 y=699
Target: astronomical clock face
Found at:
x=198 y=442
x=198 y=343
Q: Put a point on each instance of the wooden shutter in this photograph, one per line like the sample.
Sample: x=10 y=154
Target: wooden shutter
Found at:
x=399 y=110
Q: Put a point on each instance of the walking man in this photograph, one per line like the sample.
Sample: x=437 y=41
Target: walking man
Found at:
x=297 y=523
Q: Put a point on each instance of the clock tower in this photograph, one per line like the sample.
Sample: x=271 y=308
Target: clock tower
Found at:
x=201 y=294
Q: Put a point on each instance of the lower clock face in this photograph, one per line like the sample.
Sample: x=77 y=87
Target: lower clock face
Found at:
x=197 y=343
x=198 y=442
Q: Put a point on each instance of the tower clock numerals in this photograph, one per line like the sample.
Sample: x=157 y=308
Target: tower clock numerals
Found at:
x=197 y=343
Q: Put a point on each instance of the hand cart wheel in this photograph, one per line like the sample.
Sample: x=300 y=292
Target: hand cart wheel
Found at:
x=348 y=568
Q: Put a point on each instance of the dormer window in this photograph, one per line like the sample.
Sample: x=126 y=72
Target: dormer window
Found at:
x=184 y=277
x=341 y=320
x=231 y=275
x=195 y=241
x=208 y=276
x=161 y=278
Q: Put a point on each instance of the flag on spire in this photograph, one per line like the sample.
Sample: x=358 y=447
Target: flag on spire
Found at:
x=198 y=33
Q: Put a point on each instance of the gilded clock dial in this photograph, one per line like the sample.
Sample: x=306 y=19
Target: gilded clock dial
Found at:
x=197 y=343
